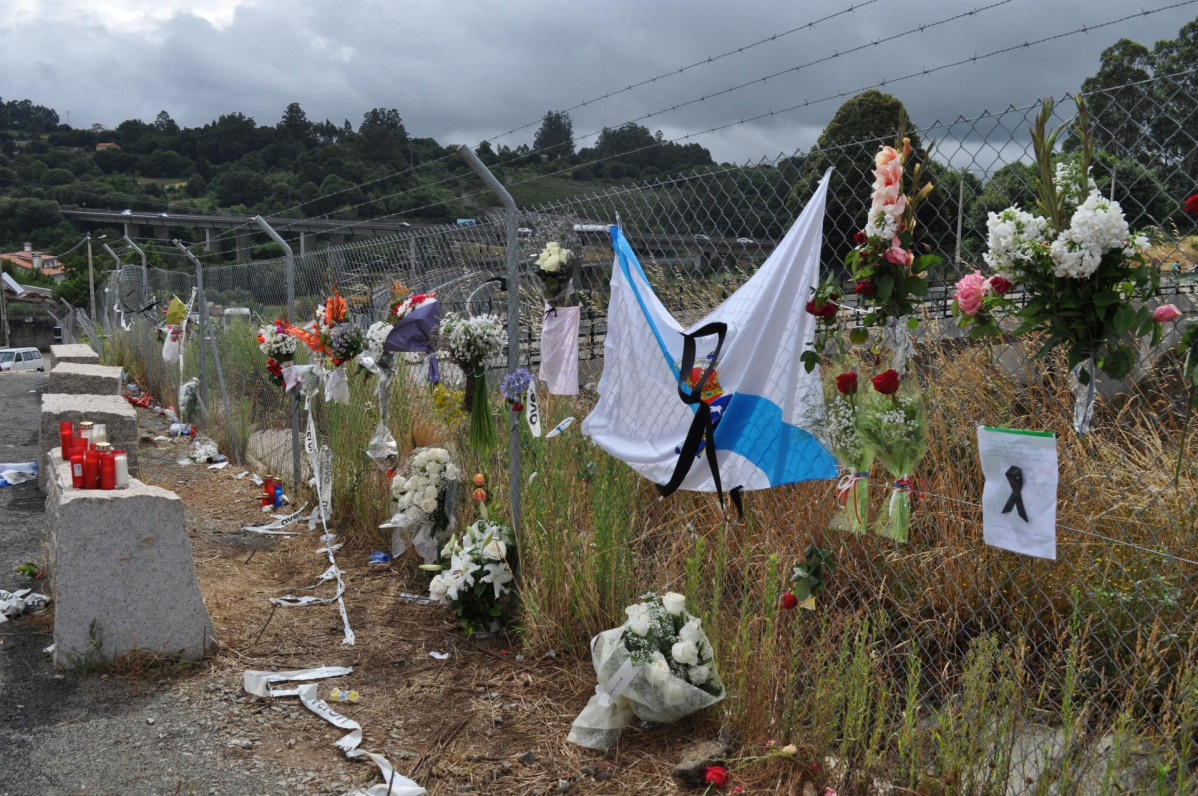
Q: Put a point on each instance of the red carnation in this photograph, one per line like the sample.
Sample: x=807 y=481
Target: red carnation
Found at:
x=517 y=407
x=1001 y=285
x=865 y=288
x=860 y=238
x=825 y=310
x=718 y=776
x=789 y=601
x=846 y=383
x=1191 y=205
x=886 y=382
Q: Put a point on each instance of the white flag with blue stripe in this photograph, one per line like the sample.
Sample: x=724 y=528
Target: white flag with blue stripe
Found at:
x=754 y=397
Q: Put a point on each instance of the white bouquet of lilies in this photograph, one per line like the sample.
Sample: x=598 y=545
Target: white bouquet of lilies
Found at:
x=658 y=666
x=475 y=580
x=422 y=496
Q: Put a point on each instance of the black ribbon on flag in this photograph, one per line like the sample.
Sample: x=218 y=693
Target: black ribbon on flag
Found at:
x=1015 y=501
x=702 y=429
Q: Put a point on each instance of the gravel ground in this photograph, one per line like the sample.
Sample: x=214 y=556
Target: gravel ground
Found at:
x=66 y=733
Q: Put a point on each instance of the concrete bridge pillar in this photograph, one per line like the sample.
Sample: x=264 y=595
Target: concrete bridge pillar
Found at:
x=242 y=250
x=303 y=243
x=162 y=232
x=212 y=241
x=336 y=238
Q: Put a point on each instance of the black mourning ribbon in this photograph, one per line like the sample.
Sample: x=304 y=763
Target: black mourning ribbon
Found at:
x=550 y=311
x=702 y=428
x=1015 y=501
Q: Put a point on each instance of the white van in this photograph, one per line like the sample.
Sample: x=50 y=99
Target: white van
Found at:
x=16 y=359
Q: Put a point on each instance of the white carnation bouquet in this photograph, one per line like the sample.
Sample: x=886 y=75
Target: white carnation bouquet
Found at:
x=275 y=342
x=555 y=267
x=422 y=497
x=376 y=335
x=658 y=666
x=472 y=341
x=475 y=576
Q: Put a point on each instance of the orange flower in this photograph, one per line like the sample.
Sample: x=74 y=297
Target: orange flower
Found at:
x=334 y=309
x=480 y=494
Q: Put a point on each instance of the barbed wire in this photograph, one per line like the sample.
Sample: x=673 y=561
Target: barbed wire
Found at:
x=575 y=139
x=805 y=104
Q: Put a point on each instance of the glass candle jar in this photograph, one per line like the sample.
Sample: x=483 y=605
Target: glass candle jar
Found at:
x=121 y=462
x=107 y=466
x=99 y=433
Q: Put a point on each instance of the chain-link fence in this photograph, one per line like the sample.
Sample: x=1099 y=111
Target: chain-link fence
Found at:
x=942 y=664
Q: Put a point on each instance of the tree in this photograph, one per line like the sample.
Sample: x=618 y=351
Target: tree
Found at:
x=239 y=186
x=382 y=137
x=485 y=153
x=1118 y=99
x=848 y=144
x=555 y=138
x=295 y=125
x=165 y=125
x=197 y=186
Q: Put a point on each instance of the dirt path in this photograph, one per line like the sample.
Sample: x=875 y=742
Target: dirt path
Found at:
x=492 y=718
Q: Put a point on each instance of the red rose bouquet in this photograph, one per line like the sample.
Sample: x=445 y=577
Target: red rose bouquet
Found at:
x=893 y=424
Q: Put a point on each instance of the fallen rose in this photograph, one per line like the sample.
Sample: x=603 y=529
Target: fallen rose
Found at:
x=718 y=776
x=789 y=601
x=886 y=382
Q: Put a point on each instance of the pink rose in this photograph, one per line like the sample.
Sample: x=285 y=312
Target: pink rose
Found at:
x=897 y=255
x=970 y=291
x=885 y=156
x=1166 y=313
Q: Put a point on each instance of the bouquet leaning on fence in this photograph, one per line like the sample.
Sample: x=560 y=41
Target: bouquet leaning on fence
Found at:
x=841 y=434
x=894 y=425
x=279 y=347
x=658 y=666
x=423 y=497
x=1080 y=269
x=472 y=341
x=475 y=576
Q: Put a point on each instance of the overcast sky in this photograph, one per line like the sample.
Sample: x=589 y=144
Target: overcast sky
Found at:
x=462 y=71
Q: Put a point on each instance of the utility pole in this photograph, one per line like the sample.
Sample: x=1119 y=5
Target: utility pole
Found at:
x=91 y=281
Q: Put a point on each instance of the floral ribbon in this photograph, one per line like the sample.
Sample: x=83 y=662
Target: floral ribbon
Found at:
x=846 y=490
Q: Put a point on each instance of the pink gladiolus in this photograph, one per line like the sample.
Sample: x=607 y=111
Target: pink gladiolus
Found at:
x=1166 y=313
x=970 y=291
x=885 y=156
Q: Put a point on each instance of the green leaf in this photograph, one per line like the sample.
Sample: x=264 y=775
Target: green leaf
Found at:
x=801 y=590
x=924 y=263
x=1124 y=320
x=885 y=284
x=1118 y=362
x=858 y=335
x=809 y=359
x=1105 y=299
x=917 y=287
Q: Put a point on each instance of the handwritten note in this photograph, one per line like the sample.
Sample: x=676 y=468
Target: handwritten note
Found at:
x=1019 y=500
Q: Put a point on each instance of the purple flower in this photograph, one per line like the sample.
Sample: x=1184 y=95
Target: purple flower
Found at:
x=515 y=384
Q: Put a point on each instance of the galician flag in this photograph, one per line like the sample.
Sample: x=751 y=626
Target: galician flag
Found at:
x=729 y=384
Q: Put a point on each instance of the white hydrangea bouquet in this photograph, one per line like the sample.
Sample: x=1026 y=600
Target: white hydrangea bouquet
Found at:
x=472 y=341
x=475 y=579
x=555 y=267
x=423 y=497
x=658 y=666
x=1079 y=265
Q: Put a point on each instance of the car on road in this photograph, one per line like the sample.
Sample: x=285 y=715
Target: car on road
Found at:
x=701 y=236
x=18 y=359
x=746 y=241
x=126 y=212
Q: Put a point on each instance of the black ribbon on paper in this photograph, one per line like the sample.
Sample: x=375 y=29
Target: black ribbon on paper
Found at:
x=550 y=311
x=1015 y=501
x=702 y=429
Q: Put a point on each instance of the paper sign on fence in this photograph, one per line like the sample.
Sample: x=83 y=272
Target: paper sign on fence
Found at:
x=1019 y=500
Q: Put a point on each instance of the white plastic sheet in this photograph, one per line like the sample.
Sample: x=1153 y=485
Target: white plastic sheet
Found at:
x=559 y=349
x=15 y=603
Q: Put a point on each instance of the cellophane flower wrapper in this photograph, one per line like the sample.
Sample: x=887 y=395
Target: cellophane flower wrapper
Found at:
x=839 y=433
x=556 y=265
x=896 y=429
x=661 y=699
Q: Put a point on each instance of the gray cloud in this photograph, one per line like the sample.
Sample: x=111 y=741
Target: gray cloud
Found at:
x=467 y=70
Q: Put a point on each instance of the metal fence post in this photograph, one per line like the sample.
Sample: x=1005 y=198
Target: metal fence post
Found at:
x=513 y=322
x=220 y=376
x=289 y=265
